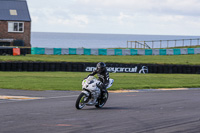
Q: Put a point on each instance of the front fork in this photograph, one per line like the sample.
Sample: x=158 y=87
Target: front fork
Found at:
x=86 y=93
x=86 y=99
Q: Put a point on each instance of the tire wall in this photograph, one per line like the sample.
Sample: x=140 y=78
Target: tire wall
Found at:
x=89 y=67
x=9 y=51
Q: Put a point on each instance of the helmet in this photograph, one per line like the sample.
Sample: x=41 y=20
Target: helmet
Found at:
x=101 y=66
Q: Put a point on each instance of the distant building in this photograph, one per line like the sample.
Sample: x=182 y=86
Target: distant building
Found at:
x=15 y=23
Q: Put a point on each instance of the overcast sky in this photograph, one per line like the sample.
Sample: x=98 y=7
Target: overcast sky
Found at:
x=160 y=17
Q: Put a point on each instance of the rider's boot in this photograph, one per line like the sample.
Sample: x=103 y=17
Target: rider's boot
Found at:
x=103 y=93
x=103 y=90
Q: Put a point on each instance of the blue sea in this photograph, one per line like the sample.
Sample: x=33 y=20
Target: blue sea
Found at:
x=89 y=40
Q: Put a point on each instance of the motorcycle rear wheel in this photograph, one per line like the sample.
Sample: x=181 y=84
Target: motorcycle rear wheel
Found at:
x=102 y=102
x=81 y=102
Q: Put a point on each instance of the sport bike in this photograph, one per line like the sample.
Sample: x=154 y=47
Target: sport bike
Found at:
x=91 y=94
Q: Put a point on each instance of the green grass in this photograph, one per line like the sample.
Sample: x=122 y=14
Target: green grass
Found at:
x=167 y=59
x=72 y=80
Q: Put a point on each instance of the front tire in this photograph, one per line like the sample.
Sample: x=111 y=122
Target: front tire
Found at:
x=101 y=101
x=81 y=101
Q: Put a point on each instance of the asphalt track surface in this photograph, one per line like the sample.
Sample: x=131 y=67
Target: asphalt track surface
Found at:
x=133 y=112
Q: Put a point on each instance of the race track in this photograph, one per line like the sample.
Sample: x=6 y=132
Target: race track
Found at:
x=175 y=111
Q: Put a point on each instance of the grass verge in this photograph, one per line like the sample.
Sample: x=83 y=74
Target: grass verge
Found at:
x=167 y=59
x=72 y=80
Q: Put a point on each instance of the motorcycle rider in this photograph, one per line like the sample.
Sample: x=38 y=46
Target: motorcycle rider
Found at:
x=103 y=76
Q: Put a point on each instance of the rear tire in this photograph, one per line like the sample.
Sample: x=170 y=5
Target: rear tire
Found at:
x=80 y=102
x=101 y=101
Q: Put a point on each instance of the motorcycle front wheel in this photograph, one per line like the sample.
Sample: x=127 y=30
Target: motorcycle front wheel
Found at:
x=81 y=101
x=101 y=101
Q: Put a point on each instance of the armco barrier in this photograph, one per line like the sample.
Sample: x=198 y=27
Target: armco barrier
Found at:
x=82 y=51
x=88 y=67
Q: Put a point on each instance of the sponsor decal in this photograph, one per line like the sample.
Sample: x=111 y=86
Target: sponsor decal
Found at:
x=90 y=69
x=122 y=69
x=135 y=69
x=144 y=70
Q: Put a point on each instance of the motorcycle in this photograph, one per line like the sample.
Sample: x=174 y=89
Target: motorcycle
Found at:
x=91 y=94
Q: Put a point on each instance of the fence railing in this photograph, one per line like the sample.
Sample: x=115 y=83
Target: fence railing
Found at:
x=163 y=43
